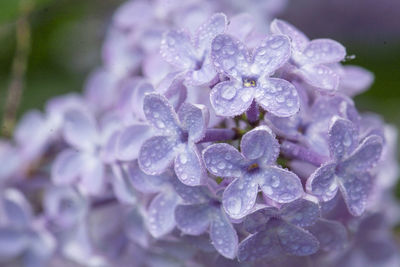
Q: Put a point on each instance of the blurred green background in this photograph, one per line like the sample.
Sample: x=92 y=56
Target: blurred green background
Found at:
x=66 y=39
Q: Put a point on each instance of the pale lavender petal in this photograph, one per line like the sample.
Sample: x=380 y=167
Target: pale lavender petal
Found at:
x=172 y=87
x=343 y=138
x=193 y=219
x=355 y=189
x=130 y=140
x=298 y=39
x=16 y=207
x=260 y=144
x=202 y=76
x=280 y=185
x=279 y=97
x=160 y=114
x=191 y=194
x=296 y=241
x=223 y=160
x=320 y=76
x=161 y=218
x=189 y=166
x=301 y=212
x=139 y=92
x=223 y=236
x=122 y=187
x=66 y=167
x=143 y=182
x=212 y=27
x=366 y=156
x=323 y=51
x=256 y=221
x=354 y=80
x=12 y=242
x=322 y=183
x=240 y=196
x=80 y=129
x=176 y=48
x=194 y=119
x=271 y=54
x=230 y=98
x=241 y=25
x=157 y=154
x=92 y=175
x=264 y=244
x=332 y=235
x=230 y=56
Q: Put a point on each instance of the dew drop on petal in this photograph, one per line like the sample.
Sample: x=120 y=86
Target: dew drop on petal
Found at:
x=234 y=205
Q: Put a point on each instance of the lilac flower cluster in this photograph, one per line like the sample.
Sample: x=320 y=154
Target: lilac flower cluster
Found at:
x=204 y=139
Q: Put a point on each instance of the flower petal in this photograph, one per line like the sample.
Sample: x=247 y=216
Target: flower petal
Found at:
x=80 y=129
x=343 y=138
x=16 y=208
x=130 y=140
x=301 y=212
x=264 y=244
x=223 y=236
x=260 y=144
x=191 y=194
x=320 y=76
x=256 y=221
x=92 y=175
x=280 y=185
x=223 y=160
x=332 y=235
x=160 y=114
x=230 y=56
x=230 y=99
x=322 y=183
x=355 y=189
x=355 y=80
x=176 y=48
x=296 y=241
x=271 y=54
x=189 y=166
x=66 y=167
x=279 y=97
x=366 y=156
x=193 y=219
x=12 y=243
x=240 y=196
x=323 y=51
x=161 y=218
x=143 y=182
x=298 y=39
x=194 y=119
x=212 y=27
x=157 y=154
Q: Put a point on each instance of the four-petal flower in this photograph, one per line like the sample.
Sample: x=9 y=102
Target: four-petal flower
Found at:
x=176 y=140
x=249 y=77
x=348 y=169
x=253 y=168
x=277 y=232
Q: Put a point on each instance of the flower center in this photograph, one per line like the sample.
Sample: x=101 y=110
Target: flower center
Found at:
x=249 y=82
x=252 y=167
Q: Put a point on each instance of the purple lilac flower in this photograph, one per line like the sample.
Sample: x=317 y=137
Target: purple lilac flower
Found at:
x=278 y=232
x=197 y=217
x=177 y=139
x=253 y=168
x=348 y=169
x=310 y=58
x=192 y=55
x=249 y=77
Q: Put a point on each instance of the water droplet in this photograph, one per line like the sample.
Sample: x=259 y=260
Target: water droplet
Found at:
x=267 y=190
x=275 y=181
x=221 y=165
x=160 y=124
x=228 y=92
x=183 y=158
x=234 y=205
